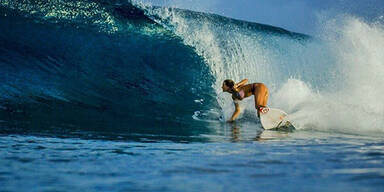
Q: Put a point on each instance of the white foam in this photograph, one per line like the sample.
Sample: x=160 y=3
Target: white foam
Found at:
x=351 y=102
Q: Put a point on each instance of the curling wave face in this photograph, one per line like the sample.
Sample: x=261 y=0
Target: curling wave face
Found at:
x=95 y=66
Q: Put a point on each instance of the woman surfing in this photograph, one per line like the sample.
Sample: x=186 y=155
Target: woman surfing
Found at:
x=243 y=90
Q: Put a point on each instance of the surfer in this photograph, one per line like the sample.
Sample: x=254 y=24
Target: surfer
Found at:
x=242 y=90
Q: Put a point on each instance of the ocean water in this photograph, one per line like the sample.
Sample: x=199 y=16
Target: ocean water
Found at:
x=308 y=161
x=121 y=96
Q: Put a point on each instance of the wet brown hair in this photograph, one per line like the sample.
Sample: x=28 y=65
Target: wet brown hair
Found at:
x=229 y=83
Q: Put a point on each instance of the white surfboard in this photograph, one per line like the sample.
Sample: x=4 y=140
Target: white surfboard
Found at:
x=275 y=119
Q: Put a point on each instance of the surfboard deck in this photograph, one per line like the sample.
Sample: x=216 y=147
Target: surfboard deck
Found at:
x=276 y=119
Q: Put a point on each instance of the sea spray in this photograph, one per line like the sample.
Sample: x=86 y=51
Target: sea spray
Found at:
x=352 y=102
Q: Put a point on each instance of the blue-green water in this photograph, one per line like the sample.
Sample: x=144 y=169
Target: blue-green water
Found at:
x=306 y=161
x=116 y=96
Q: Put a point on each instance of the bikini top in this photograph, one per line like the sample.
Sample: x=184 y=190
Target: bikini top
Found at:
x=236 y=96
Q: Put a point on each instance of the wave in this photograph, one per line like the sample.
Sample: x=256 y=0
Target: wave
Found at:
x=125 y=67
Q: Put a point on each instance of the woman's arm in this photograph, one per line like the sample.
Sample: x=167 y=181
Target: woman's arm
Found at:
x=241 y=83
x=236 y=113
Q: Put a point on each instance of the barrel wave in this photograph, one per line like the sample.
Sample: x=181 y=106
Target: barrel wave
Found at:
x=127 y=68
x=98 y=66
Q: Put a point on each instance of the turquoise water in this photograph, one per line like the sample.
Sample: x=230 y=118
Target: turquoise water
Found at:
x=117 y=96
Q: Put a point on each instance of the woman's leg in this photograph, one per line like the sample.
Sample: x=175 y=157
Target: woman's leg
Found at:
x=260 y=92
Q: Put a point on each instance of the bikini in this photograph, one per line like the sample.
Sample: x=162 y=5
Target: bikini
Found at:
x=238 y=96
